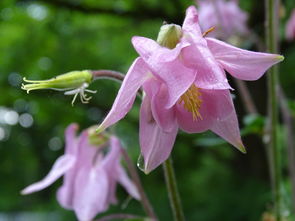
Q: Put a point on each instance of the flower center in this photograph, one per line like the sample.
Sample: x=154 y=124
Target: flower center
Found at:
x=192 y=102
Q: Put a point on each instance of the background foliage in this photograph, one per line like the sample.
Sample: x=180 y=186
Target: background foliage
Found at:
x=40 y=39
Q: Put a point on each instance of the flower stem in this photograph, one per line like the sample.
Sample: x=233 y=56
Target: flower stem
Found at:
x=143 y=197
x=173 y=193
x=114 y=75
x=272 y=46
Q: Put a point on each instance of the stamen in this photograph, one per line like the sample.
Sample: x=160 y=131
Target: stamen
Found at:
x=192 y=102
x=81 y=91
x=208 y=31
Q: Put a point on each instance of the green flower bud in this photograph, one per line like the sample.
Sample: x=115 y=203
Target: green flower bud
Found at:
x=74 y=83
x=169 y=35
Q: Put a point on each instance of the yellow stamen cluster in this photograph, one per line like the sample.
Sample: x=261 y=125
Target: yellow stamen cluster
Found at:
x=192 y=102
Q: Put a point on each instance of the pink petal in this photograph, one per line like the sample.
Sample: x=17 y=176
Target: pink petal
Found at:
x=167 y=66
x=152 y=52
x=138 y=73
x=113 y=156
x=127 y=183
x=156 y=145
x=71 y=139
x=191 y=24
x=116 y=172
x=242 y=64
x=216 y=104
x=91 y=190
x=228 y=129
x=61 y=165
x=110 y=164
x=158 y=94
x=209 y=73
x=84 y=155
x=290 y=27
x=197 y=56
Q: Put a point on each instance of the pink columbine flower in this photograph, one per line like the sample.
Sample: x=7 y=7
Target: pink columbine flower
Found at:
x=185 y=87
x=90 y=177
x=290 y=27
x=226 y=16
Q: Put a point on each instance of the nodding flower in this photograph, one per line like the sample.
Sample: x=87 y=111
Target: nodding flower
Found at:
x=91 y=172
x=185 y=86
x=73 y=83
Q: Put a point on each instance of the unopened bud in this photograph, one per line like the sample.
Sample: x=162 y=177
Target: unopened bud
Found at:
x=169 y=35
x=74 y=83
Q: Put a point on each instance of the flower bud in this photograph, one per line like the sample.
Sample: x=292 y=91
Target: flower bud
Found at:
x=70 y=80
x=74 y=83
x=169 y=35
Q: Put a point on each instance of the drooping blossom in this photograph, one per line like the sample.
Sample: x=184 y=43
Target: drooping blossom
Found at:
x=290 y=27
x=90 y=176
x=185 y=87
x=225 y=15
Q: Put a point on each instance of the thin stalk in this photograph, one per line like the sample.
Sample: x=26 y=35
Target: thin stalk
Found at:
x=247 y=100
x=143 y=197
x=289 y=125
x=109 y=74
x=172 y=189
x=272 y=46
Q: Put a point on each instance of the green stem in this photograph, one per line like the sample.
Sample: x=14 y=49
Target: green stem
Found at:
x=272 y=46
x=172 y=189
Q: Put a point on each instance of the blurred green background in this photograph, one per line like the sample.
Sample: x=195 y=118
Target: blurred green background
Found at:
x=41 y=39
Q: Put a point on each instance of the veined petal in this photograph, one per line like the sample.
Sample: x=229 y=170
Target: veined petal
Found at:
x=167 y=66
x=152 y=52
x=61 y=165
x=158 y=94
x=91 y=190
x=156 y=145
x=209 y=73
x=228 y=129
x=191 y=23
x=240 y=63
x=136 y=76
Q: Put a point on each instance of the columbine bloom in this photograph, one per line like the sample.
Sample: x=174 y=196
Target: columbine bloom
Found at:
x=90 y=176
x=226 y=16
x=73 y=83
x=290 y=27
x=185 y=87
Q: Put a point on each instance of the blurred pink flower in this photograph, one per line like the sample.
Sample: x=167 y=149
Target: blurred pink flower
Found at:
x=290 y=27
x=226 y=16
x=185 y=87
x=90 y=177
